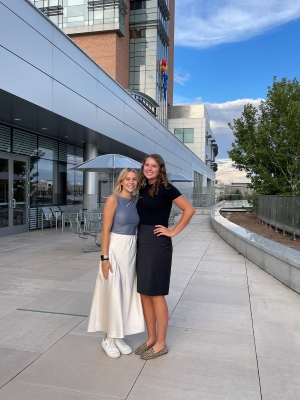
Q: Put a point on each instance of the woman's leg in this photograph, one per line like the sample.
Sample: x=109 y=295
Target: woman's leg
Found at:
x=161 y=316
x=150 y=319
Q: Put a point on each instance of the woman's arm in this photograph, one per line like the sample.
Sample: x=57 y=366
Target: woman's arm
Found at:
x=108 y=216
x=187 y=212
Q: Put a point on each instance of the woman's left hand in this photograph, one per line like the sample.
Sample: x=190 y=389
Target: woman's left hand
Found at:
x=162 y=230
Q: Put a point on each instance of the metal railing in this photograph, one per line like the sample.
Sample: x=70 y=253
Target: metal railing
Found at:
x=281 y=212
x=199 y=199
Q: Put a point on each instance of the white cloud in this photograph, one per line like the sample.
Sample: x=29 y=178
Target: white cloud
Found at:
x=181 y=77
x=228 y=174
x=222 y=113
x=202 y=23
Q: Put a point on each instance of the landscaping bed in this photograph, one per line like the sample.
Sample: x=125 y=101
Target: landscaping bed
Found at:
x=252 y=223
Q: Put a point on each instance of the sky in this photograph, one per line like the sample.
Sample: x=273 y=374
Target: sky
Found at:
x=226 y=55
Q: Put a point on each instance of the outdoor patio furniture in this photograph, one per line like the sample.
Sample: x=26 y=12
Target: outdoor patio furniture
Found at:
x=67 y=211
x=57 y=214
x=91 y=229
x=47 y=215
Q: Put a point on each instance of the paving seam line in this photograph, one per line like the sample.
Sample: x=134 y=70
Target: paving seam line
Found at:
x=171 y=313
x=192 y=273
x=259 y=381
x=51 y=312
x=40 y=353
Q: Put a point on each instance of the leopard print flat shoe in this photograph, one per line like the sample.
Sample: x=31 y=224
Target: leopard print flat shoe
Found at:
x=142 y=348
x=150 y=354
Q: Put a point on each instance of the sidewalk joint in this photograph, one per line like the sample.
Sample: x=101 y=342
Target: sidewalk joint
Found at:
x=253 y=330
x=52 y=312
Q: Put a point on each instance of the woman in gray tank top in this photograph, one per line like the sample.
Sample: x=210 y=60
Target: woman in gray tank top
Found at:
x=116 y=306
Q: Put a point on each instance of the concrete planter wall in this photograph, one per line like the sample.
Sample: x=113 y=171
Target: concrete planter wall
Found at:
x=278 y=260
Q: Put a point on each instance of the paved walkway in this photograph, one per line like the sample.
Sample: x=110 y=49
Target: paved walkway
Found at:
x=233 y=334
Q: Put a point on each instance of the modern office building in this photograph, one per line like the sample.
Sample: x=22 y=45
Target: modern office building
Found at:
x=129 y=39
x=191 y=125
x=58 y=108
x=239 y=187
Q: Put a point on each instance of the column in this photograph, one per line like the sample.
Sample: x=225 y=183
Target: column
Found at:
x=90 y=183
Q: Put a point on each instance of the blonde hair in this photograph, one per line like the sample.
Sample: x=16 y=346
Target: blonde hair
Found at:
x=123 y=173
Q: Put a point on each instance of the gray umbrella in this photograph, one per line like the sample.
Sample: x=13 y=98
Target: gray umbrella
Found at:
x=176 y=177
x=107 y=162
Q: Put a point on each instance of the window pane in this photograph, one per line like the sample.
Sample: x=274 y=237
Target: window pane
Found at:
x=48 y=148
x=75 y=11
x=188 y=135
x=78 y=187
x=45 y=182
x=75 y=2
x=98 y=14
x=33 y=179
x=178 y=132
x=70 y=185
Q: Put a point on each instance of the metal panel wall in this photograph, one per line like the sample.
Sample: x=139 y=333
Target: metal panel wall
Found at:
x=73 y=90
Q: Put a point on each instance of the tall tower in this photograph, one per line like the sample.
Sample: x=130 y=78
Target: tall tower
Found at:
x=151 y=42
x=127 y=38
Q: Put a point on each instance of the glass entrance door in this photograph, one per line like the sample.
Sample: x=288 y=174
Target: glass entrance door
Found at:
x=13 y=194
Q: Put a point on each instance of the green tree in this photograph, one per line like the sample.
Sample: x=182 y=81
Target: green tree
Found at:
x=267 y=140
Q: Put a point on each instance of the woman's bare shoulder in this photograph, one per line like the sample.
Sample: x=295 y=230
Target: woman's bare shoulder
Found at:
x=111 y=200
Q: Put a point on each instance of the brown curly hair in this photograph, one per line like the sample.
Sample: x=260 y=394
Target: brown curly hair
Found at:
x=162 y=178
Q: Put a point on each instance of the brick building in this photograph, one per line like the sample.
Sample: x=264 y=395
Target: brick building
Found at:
x=128 y=39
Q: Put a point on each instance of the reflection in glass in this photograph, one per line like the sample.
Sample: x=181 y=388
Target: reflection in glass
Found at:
x=78 y=187
x=33 y=176
x=19 y=192
x=178 y=132
x=70 y=185
x=188 y=135
x=45 y=182
x=3 y=192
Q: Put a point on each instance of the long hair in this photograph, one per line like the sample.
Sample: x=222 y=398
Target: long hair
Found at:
x=162 y=178
x=122 y=175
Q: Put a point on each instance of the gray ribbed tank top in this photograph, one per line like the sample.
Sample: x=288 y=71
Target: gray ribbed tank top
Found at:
x=126 y=218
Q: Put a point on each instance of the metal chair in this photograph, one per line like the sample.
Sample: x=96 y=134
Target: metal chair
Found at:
x=57 y=213
x=75 y=226
x=66 y=215
x=47 y=215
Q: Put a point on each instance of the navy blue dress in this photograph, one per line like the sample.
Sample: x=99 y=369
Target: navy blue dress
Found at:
x=154 y=253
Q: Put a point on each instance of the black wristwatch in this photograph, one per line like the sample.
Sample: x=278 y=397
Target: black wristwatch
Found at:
x=104 y=257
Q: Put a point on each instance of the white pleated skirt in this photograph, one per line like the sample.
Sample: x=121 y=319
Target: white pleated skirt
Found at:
x=116 y=306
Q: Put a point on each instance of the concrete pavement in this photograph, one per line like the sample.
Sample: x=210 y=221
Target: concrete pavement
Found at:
x=234 y=330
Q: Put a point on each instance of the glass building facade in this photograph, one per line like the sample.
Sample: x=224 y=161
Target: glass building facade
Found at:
x=50 y=181
x=149 y=41
x=80 y=13
x=148 y=29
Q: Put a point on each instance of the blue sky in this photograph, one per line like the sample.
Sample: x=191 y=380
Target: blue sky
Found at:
x=226 y=54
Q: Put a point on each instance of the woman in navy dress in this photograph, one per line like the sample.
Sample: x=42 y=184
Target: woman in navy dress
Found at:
x=154 y=249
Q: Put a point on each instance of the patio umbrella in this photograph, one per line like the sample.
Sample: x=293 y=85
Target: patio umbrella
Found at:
x=176 y=177
x=107 y=162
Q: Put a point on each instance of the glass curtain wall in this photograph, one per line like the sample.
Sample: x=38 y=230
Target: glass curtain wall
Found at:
x=148 y=47
x=199 y=198
x=50 y=181
x=74 y=13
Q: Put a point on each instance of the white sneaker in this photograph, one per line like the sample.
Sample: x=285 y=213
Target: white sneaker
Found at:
x=123 y=347
x=110 y=348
